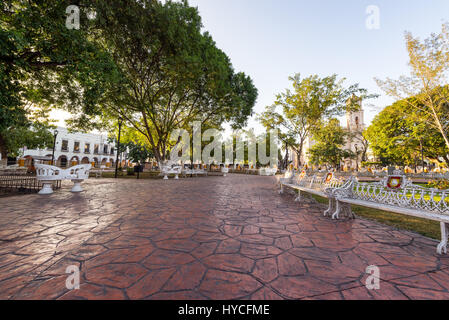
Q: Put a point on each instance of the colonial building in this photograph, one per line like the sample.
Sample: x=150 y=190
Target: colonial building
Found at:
x=355 y=126
x=75 y=148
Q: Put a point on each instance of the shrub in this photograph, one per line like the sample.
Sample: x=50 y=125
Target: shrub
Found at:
x=130 y=171
x=441 y=184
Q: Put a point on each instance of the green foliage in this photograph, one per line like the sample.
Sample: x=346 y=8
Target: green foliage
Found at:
x=313 y=99
x=441 y=184
x=43 y=64
x=397 y=136
x=170 y=73
x=329 y=140
x=139 y=153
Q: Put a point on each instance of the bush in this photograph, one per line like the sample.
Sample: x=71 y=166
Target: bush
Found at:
x=130 y=171
x=439 y=184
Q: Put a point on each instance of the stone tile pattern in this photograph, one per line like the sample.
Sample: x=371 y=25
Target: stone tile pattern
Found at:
x=229 y=237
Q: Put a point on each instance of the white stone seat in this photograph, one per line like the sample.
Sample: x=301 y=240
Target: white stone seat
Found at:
x=48 y=174
x=168 y=170
x=268 y=171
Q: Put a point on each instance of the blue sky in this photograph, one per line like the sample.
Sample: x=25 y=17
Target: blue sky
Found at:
x=273 y=39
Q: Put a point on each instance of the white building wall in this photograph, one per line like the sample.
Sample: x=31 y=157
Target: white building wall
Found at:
x=100 y=157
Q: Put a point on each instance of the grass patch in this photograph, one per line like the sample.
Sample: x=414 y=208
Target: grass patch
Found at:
x=425 y=227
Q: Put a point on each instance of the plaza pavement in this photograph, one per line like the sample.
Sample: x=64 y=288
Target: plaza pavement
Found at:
x=229 y=237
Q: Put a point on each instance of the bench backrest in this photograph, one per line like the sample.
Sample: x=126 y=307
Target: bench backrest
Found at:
x=407 y=195
x=47 y=172
x=323 y=182
x=78 y=172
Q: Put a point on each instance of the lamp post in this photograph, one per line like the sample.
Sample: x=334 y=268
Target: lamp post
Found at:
x=55 y=134
x=422 y=155
x=118 y=145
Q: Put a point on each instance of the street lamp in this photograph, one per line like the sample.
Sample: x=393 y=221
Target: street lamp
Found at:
x=422 y=154
x=118 y=145
x=55 y=134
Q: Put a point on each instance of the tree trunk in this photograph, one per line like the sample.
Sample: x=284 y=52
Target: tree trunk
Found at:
x=299 y=154
x=285 y=161
x=3 y=149
x=440 y=126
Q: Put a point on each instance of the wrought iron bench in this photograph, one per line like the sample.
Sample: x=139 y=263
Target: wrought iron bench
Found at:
x=49 y=174
x=317 y=185
x=397 y=194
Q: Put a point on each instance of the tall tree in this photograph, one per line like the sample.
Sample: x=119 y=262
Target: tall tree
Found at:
x=42 y=64
x=429 y=64
x=400 y=137
x=330 y=139
x=312 y=100
x=171 y=73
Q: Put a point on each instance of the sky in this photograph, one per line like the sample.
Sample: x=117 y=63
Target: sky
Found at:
x=271 y=40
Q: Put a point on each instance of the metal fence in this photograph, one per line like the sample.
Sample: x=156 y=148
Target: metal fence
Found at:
x=21 y=182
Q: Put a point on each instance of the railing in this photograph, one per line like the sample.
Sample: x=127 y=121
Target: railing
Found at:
x=23 y=182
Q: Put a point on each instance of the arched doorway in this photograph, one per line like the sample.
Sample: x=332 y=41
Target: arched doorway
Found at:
x=95 y=161
x=62 y=162
x=74 y=161
x=103 y=162
x=85 y=160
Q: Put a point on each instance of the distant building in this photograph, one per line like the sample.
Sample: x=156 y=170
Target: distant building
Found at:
x=355 y=125
x=75 y=148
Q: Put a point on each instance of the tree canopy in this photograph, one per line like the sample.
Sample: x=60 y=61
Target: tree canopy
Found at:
x=42 y=64
x=427 y=82
x=398 y=136
x=170 y=73
x=330 y=139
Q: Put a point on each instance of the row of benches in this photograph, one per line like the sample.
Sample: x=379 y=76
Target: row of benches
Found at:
x=393 y=193
x=49 y=174
x=178 y=170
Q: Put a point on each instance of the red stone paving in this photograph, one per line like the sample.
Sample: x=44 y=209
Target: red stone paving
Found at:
x=229 y=237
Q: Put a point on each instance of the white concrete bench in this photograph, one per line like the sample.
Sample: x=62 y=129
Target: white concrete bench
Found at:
x=194 y=171
x=99 y=172
x=168 y=170
x=268 y=171
x=49 y=174
x=397 y=194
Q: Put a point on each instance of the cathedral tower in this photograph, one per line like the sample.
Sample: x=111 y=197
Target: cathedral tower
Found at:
x=355 y=121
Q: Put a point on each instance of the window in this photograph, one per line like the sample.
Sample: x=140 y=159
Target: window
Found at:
x=65 y=145
x=105 y=149
x=76 y=147
x=112 y=150
x=87 y=148
x=357 y=121
x=96 y=148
